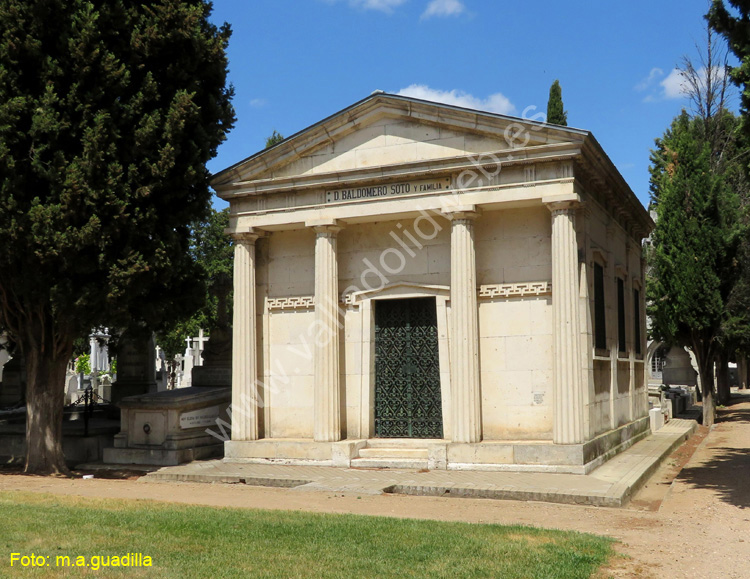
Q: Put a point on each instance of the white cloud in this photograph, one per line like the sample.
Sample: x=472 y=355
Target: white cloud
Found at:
x=718 y=75
x=648 y=82
x=673 y=86
x=386 y=6
x=381 y=5
x=660 y=87
x=495 y=103
x=443 y=8
x=257 y=103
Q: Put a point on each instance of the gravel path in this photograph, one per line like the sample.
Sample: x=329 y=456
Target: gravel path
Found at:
x=695 y=525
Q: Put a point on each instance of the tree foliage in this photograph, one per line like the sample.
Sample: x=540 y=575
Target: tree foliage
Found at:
x=274 y=139
x=733 y=23
x=213 y=252
x=109 y=111
x=693 y=260
x=556 y=113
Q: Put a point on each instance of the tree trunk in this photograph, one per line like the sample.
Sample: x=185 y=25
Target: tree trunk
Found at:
x=45 y=399
x=723 y=386
x=706 y=372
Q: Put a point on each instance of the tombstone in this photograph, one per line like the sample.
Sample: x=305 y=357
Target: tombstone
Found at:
x=14 y=382
x=99 y=355
x=178 y=371
x=71 y=387
x=678 y=369
x=135 y=369
x=193 y=358
x=216 y=370
x=104 y=387
x=162 y=370
x=170 y=427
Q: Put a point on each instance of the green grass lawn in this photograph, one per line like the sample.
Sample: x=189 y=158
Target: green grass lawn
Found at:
x=189 y=541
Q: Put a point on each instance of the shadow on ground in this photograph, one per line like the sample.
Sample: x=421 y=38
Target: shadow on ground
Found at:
x=738 y=397
x=728 y=472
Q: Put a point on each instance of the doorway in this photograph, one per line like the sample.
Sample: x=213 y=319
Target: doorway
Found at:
x=407 y=369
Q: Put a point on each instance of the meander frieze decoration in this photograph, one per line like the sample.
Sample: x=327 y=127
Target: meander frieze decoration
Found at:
x=291 y=303
x=515 y=290
x=492 y=291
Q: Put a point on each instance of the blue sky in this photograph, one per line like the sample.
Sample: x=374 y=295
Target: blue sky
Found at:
x=295 y=62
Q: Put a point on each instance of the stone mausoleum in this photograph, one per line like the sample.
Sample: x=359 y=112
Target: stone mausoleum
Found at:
x=423 y=285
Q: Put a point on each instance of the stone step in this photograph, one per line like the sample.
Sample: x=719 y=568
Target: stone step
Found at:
x=402 y=442
x=382 y=452
x=397 y=463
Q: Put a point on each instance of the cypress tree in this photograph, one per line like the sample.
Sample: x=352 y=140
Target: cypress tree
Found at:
x=274 y=139
x=556 y=115
x=693 y=259
x=109 y=111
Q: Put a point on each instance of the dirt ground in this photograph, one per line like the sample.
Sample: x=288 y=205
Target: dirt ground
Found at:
x=690 y=520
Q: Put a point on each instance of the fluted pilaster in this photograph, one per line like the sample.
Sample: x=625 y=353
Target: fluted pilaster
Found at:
x=568 y=384
x=465 y=391
x=327 y=396
x=244 y=341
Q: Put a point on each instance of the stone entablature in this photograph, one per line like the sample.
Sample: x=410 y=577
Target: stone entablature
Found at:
x=396 y=198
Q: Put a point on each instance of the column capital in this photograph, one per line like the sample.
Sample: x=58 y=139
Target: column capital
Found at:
x=563 y=207
x=325 y=227
x=246 y=236
x=462 y=212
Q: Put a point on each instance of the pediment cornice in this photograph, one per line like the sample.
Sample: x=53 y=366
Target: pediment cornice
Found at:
x=380 y=106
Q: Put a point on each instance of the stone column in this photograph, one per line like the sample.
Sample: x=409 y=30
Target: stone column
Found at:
x=244 y=341
x=568 y=384
x=327 y=395
x=464 y=345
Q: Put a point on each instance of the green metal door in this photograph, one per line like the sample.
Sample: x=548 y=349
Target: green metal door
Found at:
x=407 y=371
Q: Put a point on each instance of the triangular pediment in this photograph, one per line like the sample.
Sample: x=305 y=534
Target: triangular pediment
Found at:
x=385 y=130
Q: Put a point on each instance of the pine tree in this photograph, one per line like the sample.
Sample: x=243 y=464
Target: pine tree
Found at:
x=109 y=111
x=556 y=115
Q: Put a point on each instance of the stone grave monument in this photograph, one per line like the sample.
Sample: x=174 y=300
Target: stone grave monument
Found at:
x=678 y=369
x=216 y=370
x=135 y=369
x=162 y=370
x=171 y=426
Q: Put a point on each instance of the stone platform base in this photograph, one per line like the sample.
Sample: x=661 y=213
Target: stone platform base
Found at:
x=435 y=454
x=161 y=457
x=610 y=485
